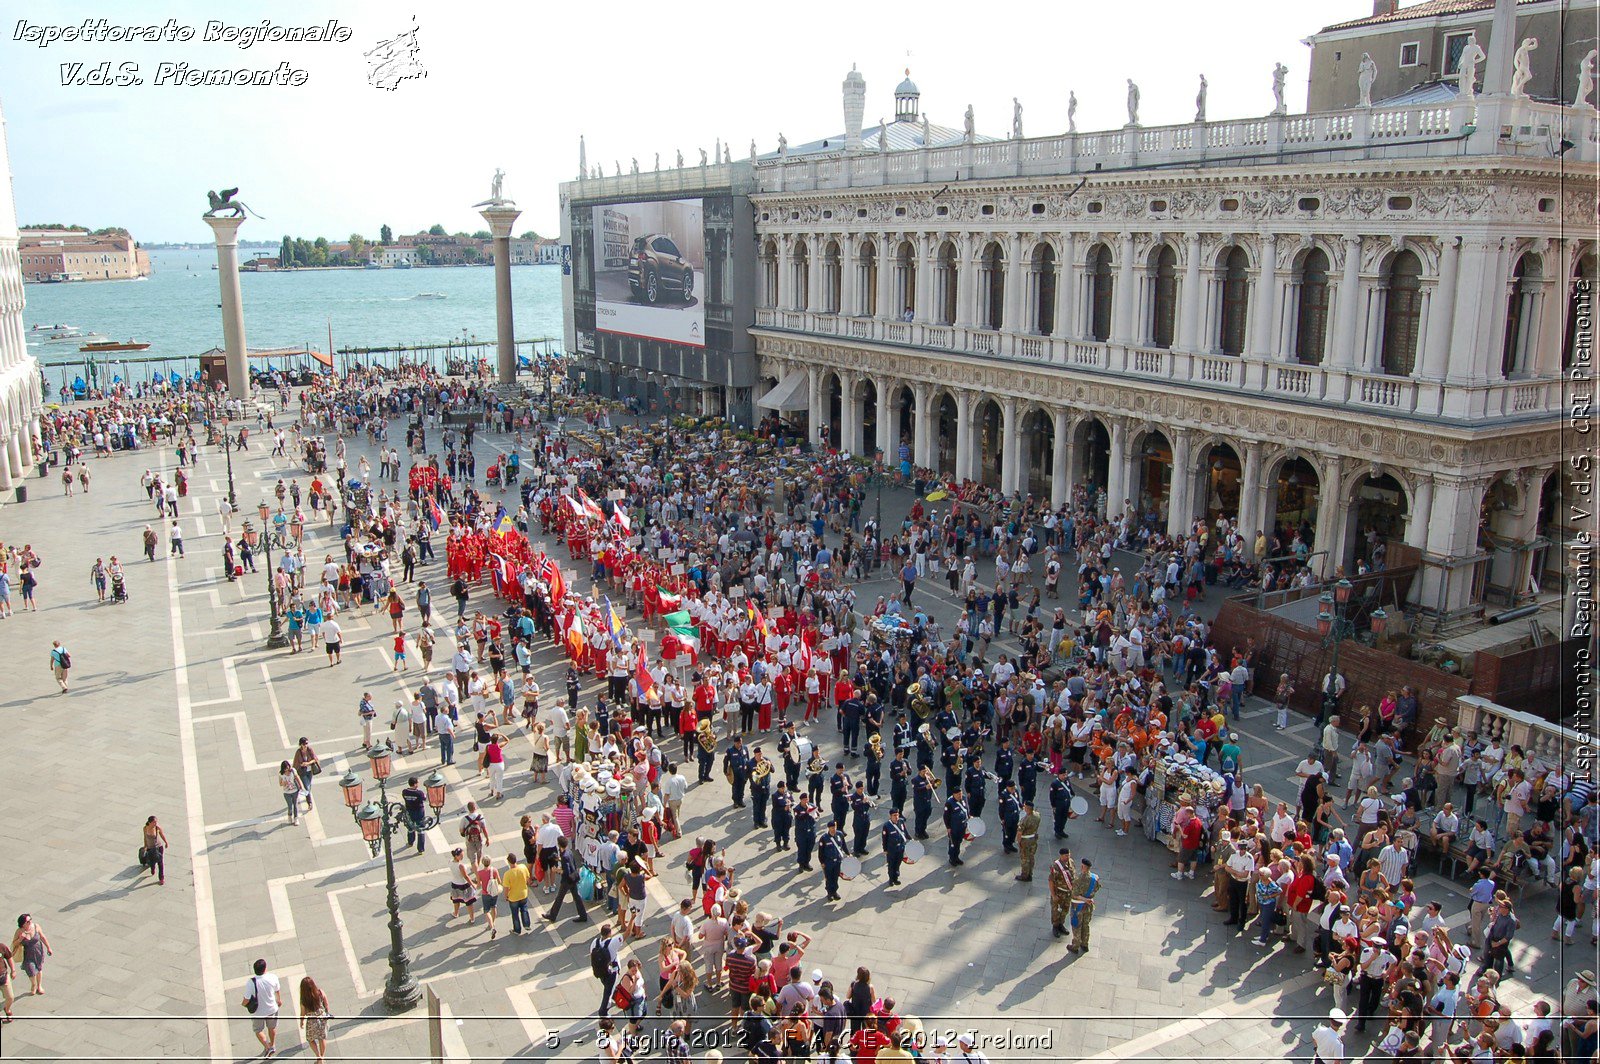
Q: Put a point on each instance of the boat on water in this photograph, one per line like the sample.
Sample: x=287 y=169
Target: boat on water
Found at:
x=429 y=295
x=115 y=345
x=373 y=265
x=402 y=265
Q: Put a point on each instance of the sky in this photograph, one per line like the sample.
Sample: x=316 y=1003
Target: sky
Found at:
x=514 y=85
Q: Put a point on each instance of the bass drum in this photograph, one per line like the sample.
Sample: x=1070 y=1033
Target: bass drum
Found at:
x=804 y=747
x=976 y=828
x=915 y=851
x=849 y=868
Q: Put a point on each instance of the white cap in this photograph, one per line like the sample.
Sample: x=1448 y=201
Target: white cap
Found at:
x=816 y=975
x=968 y=1039
x=1338 y=1015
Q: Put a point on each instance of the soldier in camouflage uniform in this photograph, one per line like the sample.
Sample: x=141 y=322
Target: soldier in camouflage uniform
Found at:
x=1028 y=841
x=1061 y=874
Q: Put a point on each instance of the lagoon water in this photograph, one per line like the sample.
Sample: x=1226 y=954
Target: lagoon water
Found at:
x=176 y=310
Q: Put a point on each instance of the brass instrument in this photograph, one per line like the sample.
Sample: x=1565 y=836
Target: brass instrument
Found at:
x=933 y=781
x=876 y=743
x=816 y=764
x=762 y=770
x=708 y=740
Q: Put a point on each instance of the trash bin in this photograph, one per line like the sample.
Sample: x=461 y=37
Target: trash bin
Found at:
x=22 y=493
x=44 y=467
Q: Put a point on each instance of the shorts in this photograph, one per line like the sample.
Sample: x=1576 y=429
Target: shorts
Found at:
x=333 y=648
x=491 y=902
x=1189 y=855
x=264 y=1023
x=636 y=907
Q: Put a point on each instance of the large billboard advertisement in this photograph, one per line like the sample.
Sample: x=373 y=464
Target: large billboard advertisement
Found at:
x=649 y=270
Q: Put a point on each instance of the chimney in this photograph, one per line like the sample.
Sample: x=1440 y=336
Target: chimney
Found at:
x=1384 y=7
x=855 y=104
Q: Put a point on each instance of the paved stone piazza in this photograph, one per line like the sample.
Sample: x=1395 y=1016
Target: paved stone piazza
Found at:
x=177 y=710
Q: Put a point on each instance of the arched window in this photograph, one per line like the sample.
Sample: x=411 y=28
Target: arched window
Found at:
x=769 y=274
x=868 y=288
x=802 y=276
x=1516 y=354
x=1100 y=292
x=993 y=279
x=1044 y=290
x=905 y=283
x=1311 y=311
x=832 y=278
x=1402 y=314
x=945 y=276
x=1235 y=301
x=1580 y=311
x=1164 y=297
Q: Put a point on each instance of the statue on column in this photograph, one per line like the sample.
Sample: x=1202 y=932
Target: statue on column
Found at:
x=1522 y=66
x=703 y=156
x=1016 y=119
x=224 y=201
x=783 y=146
x=1280 y=74
x=658 y=162
x=1200 y=101
x=1467 y=70
x=926 y=140
x=752 y=149
x=968 y=126
x=1364 y=79
x=496 y=196
x=635 y=165
x=1133 y=103
x=1586 y=77
x=1072 y=112
x=680 y=158
x=883 y=135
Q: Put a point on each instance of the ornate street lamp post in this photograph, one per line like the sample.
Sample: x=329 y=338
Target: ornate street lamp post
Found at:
x=1335 y=623
x=227 y=449
x=378 y=821
x=272 y=535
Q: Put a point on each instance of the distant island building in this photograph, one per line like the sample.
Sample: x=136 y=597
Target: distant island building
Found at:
x=78 y=255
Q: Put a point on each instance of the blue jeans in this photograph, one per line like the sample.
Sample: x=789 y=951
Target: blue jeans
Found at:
x=414 y=832
x=1238 y=700
x=519 y=916
x=447 y=749
x=1265 y=920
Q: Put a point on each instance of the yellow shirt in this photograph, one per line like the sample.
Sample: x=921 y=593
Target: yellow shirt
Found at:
x=515 y=880
x=891 y=1055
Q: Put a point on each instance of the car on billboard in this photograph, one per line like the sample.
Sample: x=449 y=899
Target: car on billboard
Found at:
x=656 y=269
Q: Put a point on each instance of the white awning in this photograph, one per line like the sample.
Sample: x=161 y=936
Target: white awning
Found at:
x=791 y=393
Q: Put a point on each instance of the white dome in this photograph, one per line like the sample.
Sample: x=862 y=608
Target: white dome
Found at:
x=907 y=87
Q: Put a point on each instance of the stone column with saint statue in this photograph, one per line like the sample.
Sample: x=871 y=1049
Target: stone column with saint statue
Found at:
x=225 y=228
x=501 y=214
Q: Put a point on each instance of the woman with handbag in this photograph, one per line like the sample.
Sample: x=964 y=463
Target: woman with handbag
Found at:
x=489 y=888
x=152 y=852
x=306 y=765
x=629 y=995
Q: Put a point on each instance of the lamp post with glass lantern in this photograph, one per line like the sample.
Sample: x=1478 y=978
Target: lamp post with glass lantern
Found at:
x=270 y=537
x=1336 y=622
x=378 y=821
x=227 y=449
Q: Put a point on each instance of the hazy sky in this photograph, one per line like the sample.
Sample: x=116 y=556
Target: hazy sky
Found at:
x=513 y=85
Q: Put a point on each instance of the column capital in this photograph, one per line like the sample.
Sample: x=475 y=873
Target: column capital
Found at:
x=224 y=227
x=501 y=219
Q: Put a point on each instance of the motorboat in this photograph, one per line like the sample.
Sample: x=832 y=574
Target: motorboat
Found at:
x=429 y=295
x=115 y=345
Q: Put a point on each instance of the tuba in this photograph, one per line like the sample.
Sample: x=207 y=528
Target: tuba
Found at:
x=708 y=740
x=876 y=743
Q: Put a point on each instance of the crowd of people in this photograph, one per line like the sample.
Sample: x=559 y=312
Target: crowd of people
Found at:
x=1032 y=661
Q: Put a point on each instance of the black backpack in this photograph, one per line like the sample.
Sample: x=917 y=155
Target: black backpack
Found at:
x=600 y=958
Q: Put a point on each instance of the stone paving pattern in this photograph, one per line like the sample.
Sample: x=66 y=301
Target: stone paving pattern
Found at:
x=177 y=710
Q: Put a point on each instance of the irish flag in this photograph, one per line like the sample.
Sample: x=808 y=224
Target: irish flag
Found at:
x=670 y=600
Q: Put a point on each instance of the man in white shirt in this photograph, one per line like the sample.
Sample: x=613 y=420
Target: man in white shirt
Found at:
x=264 y=988
x=1328 y=1038
x=1330 y=749
x=1308 y=768
x=332 y=634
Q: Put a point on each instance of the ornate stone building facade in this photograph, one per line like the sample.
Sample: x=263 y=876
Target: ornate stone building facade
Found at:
x=20 y=402
x=1354 y=324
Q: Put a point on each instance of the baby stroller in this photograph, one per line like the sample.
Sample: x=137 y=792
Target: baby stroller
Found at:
x=119 y=588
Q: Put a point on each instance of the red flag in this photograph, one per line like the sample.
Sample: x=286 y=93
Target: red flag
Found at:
x=643 y=682
x=552 y=575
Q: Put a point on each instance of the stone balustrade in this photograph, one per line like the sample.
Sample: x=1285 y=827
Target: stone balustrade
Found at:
x=1550 y=744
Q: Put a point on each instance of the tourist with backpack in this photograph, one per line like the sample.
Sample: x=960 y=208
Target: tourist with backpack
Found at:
x=603 y=954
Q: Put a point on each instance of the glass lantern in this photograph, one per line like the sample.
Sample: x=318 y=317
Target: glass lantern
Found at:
x=381 y=765
x=350 y=786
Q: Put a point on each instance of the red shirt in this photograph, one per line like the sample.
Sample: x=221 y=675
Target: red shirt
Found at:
x=1192 y=832
x=865 y=1044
